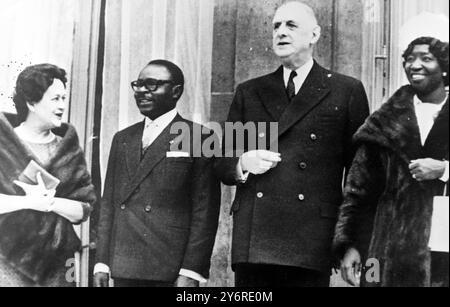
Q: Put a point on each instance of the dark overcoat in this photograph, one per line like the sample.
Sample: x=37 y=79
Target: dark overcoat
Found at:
x=396 y=208
x=287 y=215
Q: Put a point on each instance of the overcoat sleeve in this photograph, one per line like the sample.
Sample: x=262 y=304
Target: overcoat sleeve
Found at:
x=106 y=219
x=365 y=183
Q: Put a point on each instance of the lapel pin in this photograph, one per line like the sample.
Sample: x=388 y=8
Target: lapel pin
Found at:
x=329 y=75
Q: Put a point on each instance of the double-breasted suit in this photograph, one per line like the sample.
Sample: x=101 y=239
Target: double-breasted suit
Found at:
x=287 y=216
x=158 y=213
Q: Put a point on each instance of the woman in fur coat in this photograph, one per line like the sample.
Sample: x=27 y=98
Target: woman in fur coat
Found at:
x=400 y=165
x=37 y=238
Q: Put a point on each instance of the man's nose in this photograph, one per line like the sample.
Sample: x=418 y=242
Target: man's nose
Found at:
x=142 y=89
x=282 y=30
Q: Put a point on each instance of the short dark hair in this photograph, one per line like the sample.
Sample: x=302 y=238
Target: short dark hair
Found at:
x=437 y=48
x=175 y=71
x=32 y=84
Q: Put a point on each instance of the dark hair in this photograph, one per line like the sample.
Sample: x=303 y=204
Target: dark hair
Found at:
x=437 y=48
x=175 y=71
x=32 y=84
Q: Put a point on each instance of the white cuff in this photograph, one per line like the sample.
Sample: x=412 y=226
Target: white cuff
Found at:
x=192 y=275
x=241 y=177
x=101 y=268
x=444 y=177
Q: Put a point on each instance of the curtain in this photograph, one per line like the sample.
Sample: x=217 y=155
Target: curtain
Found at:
x=402 y=12
x=139 y=31
x=33 y=32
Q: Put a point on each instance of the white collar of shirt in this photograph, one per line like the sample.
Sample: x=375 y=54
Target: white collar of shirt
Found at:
x=302 y=74
x=153 y=128
x=426 y=114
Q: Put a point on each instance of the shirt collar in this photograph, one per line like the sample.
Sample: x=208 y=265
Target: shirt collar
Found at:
x=418 y=102
x=302 y=72
x=162 y=121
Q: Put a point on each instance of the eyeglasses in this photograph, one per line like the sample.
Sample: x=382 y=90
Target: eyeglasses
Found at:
x=150 y=84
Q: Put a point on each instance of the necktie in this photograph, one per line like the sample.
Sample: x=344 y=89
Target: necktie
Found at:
x=146 y=139
x=291 y=86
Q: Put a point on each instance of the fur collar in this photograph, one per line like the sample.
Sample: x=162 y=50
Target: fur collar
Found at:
x=395 y=126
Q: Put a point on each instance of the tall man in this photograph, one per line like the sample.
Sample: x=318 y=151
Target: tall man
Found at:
x=287 y=201
x=160 y=207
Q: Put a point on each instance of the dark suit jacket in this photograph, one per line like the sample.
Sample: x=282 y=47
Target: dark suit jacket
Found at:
x=160 y=214
x=287 y=216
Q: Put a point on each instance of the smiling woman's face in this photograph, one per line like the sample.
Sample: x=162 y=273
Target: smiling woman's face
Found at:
x=49 y=111
x=423 y=70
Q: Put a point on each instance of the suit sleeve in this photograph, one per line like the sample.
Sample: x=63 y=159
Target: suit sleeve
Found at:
x=364 y=185
x=358 y=112
x=226 y=166
x=107 y=209
x=205 y=197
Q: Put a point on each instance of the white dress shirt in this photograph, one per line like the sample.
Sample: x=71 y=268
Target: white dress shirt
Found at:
x=426 y=114
x=152 y=129
x=299 y=80
x=302 y=74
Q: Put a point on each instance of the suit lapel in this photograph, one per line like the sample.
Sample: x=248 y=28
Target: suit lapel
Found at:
x=154 y=155
x=133 y=147
x=273 y=95
x=313 y=91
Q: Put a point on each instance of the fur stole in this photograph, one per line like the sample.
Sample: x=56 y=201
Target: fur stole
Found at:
x=39 y=244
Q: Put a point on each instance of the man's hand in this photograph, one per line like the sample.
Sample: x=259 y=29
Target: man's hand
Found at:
x=101 y=280
x=427 y=169
x=186 y=282
x=351 y=267
x=258 y=162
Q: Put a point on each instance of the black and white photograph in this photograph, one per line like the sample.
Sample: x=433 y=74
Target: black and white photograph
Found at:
x=224 y=148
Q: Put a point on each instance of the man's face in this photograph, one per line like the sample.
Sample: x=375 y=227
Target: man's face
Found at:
x=294 y=33
x=162 y=99
x=423 y=70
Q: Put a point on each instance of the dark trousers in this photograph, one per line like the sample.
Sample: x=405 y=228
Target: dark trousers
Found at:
x=263 y=276
x=135 y=283
x=439 y=269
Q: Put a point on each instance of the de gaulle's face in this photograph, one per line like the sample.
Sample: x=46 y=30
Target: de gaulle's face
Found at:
x=293 y=34
x=153 y=104
x=423 y=71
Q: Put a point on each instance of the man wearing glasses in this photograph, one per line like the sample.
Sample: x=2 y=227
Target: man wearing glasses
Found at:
x=160 y=207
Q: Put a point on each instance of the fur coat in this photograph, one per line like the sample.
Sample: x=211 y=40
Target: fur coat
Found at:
x=38 y=244
x=386 y=214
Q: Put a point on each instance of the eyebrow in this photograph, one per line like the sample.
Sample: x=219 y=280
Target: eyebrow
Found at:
x=288 y=22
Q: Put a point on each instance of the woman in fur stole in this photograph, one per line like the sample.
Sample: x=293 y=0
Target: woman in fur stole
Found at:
x=37 y=238
x=400 y=165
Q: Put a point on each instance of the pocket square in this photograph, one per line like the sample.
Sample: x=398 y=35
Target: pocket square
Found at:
x=177 y=154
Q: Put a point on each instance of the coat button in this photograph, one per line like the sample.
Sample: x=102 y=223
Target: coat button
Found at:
x=260 y=195
x=301 y=197
x=313 y=137
x=303 y=165
x=148 y=209
x=123 y=207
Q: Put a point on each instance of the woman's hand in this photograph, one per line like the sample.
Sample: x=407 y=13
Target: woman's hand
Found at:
x=37 y=197
x=427 y=169
x=351 y=267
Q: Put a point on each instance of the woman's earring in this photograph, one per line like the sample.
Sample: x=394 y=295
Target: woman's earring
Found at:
x=444 y=74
